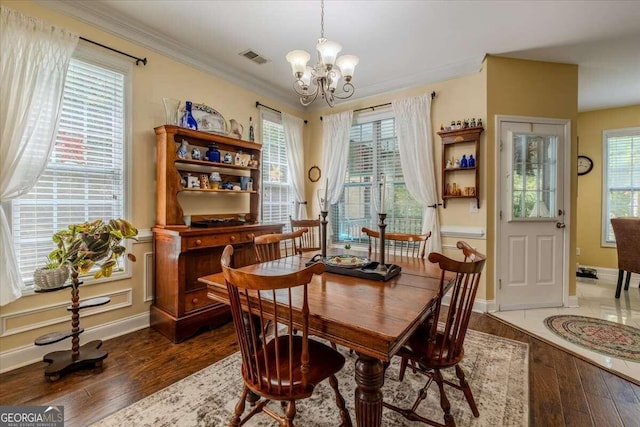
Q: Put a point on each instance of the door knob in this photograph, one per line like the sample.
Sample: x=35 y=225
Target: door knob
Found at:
x=560 y=225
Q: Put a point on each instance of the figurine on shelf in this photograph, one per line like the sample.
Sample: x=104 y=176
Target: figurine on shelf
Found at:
x=195 y=154
x=238 y=159
x=479 y=123
x=456 y=164
x=183 y=149
x=473 y=122
x=253 y=163
x=212 y=154
x=227 y=158
x=449 y=165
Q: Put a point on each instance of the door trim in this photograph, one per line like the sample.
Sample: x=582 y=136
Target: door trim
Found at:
x=566 y=182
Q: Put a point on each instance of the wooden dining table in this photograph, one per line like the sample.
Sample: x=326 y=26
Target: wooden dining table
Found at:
x=374 y=318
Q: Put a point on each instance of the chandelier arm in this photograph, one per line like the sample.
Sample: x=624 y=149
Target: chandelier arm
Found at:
x=348 y=90
x=299 y=89
x=306 y=100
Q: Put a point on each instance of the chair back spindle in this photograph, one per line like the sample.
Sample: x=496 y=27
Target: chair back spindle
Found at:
x=398 y=244
x=309 y=241
x=274 y=246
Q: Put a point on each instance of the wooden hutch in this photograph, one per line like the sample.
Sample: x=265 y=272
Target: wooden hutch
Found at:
x=226 y=216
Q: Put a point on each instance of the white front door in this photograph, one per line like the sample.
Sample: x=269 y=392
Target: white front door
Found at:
x=531 y=223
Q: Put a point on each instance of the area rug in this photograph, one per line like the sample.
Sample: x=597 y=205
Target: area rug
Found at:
x=497 y=370
x=601 y=336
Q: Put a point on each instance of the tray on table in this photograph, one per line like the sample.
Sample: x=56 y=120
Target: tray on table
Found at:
x=362 y=267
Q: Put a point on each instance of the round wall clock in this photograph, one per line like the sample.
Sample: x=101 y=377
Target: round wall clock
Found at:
x=585 y=164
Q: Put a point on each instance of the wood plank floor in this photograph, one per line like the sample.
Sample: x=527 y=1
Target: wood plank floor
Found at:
x=564 y=390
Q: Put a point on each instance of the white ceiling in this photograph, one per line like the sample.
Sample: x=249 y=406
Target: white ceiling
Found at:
x=400 y=43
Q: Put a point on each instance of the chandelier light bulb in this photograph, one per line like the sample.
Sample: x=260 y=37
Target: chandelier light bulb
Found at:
x=306 y=76
x=347 y=65
x=328 y=52
x=298 y=60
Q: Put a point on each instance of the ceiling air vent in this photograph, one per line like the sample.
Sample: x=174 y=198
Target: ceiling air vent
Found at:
x=255 y=57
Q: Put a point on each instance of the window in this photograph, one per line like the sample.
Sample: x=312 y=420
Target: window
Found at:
x=277 y=193
x=621 y=178
x=85 y=177
x=373 y=150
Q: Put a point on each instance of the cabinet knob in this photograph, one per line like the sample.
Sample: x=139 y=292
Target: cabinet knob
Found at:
x=194 y=301
x=198 y=242
x=250 y=236
x=232 y=238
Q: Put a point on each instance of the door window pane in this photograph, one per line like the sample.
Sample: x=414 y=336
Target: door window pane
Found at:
x=534 y=177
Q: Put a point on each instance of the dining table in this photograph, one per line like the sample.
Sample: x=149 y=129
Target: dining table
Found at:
x=372 y=317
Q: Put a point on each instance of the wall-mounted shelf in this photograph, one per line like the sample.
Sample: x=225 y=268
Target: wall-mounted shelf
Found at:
x=460 y=182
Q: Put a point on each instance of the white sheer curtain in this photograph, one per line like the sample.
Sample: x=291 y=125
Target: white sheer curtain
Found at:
x=293 y=139
x=33 y=66
x=415 y=143
x=336 y=129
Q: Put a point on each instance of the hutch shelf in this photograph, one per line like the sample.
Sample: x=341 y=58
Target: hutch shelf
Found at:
x=183 y=253
x=460 y=182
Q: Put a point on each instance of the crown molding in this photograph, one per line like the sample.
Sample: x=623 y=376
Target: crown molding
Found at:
x=97 y=15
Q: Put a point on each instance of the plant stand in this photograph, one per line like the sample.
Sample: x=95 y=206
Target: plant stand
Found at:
x=88 y=355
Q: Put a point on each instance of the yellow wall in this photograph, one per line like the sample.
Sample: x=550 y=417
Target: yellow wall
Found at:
x=535 y=89
x=590 y=127
x=161 y=77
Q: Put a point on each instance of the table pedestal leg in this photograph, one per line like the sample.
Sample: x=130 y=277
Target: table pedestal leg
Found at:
x=368 y=397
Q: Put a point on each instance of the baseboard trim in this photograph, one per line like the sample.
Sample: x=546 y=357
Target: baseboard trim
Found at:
x=26 y=355
x=479 y=306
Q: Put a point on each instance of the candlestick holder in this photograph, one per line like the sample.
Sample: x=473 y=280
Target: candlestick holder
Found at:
x=323 y=243
x=382 y=266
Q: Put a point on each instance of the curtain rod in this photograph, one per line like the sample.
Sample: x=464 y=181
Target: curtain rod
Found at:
x=138 y=60
x=258 y=104
x=373 y=107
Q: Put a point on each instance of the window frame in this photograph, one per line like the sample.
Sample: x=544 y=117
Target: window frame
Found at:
x=606 y=230
x=116 y=64
x=274 y=118
x=359 y=119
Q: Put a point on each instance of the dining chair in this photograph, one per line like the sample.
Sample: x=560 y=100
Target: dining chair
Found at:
x=311 y=240
x=286 y=367
x=433 y=346
x=627 y=233
x=274 y=246
x=398 y=244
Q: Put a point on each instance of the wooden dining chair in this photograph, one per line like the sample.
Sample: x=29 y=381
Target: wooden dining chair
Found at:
x=274 y=246
x=398 y=244
x=309 y=241
x=286 y=367
x=627 y=232
x=433 y=347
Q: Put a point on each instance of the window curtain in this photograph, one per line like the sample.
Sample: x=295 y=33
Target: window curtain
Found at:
x=293 y=139
x=336 y=129
x=415 y=143
x=33 y=66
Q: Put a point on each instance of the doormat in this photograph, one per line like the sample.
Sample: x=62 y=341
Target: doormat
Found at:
x=601 y=336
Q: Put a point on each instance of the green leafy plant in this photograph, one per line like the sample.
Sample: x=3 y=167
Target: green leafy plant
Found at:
x=82 y=246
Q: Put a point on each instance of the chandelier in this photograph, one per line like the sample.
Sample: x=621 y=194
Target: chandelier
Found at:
x=325 y=74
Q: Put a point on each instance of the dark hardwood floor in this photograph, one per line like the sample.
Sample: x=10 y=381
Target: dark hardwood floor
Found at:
x=564 y=390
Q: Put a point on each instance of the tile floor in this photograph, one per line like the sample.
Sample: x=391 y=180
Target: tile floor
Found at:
x=594 y=300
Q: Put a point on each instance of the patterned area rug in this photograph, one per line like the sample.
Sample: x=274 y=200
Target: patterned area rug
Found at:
x=602 y=336
x=497 y=370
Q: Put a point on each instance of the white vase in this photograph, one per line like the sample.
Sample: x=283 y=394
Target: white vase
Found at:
x=48 y=278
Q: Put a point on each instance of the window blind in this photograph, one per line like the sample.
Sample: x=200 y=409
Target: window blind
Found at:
x=622 y=177
x=83 y=180
x=373 y=150
x=277 y=194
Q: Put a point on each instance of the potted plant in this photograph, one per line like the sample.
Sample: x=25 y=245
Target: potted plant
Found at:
x=81 y=246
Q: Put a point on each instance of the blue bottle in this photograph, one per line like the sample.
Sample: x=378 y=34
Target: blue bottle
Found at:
x=472 y=161
x=188 y=121
x=212 y=154
x=464 y=163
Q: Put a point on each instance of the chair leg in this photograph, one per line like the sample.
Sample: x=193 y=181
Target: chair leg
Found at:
x=467 y=391
x=444 y=402
x=626 y=282
x=344 y=413
x=290 y=414
x=403 y=368
x=619 y=286
x=235 y=421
